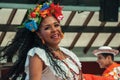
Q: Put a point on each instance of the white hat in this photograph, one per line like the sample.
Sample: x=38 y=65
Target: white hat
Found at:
x=105 y=49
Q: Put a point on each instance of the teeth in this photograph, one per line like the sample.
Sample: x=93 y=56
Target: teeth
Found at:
x=55 y=36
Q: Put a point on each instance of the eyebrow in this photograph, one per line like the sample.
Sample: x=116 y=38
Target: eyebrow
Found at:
x=50 y=24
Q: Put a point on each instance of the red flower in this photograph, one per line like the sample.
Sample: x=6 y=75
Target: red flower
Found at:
x=33 y=15
x=57 y=11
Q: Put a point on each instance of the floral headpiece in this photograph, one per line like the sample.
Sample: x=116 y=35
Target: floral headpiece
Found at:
x=40 y=12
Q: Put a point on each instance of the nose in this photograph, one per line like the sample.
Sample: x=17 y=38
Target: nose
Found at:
x=53 y=28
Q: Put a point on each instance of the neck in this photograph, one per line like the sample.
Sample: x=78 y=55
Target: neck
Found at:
x=109 y=64
x=54 y=48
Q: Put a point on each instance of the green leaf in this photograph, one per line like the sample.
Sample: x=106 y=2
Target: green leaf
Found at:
x=20 y=26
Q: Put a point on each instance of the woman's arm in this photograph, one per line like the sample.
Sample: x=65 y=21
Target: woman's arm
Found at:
x=35 y=68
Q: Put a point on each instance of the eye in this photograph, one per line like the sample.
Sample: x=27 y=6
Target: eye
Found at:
x=57 y=25
x=46 y=27
x=99 y=58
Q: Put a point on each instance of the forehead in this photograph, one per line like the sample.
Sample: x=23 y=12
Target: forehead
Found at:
x=100 y=55
x=49 y=20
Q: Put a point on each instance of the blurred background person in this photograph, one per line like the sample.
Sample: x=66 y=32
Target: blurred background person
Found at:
x=105 y=59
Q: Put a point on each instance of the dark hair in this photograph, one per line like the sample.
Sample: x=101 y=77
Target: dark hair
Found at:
x=22 y=42
x=108 y=54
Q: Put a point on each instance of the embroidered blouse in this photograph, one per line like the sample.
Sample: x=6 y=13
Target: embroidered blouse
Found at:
x=49 y=72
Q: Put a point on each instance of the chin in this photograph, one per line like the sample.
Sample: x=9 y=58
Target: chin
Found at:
x=56 y=43
x=101 y=67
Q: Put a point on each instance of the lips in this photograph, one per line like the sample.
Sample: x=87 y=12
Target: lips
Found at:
x=101 y=66
x=99 y=63
x=55 y=36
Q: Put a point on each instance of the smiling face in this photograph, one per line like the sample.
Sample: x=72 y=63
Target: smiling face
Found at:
x=50 y=31
x=103 y=61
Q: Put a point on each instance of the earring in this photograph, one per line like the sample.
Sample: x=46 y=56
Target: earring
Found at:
x=62 y=35
x=43 y=41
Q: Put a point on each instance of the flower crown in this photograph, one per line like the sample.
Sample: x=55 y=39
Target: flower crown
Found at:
x=40 y=12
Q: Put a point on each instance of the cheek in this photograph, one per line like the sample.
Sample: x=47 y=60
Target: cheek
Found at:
x=100 y=62
x=45 y=35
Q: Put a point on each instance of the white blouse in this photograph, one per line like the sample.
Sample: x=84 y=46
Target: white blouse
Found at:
x=49 y=72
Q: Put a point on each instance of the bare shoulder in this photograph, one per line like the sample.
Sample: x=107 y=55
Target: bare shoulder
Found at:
x=36 y=58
